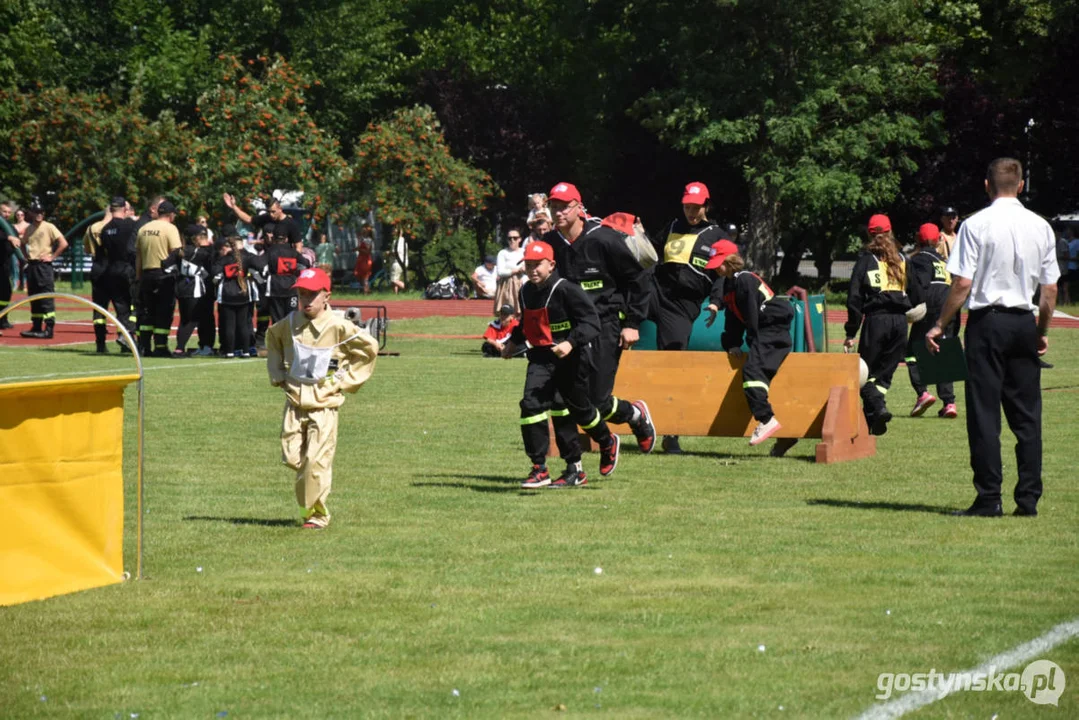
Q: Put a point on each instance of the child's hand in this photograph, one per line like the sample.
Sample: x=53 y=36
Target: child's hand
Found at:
x=562 y=349
x=508 y=350
x=712 y=311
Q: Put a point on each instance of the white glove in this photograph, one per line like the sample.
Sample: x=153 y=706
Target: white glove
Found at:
x=916 y=313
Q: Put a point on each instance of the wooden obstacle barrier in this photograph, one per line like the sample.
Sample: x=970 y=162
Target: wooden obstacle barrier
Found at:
x=814 y=395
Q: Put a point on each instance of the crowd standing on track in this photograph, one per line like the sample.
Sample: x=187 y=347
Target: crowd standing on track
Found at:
x=1002 y=253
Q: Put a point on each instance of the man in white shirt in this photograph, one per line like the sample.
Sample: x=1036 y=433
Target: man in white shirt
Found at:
x=1001 y=254
x=485 y=278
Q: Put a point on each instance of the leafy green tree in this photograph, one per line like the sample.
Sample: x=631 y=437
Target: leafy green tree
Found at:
x=405 y=171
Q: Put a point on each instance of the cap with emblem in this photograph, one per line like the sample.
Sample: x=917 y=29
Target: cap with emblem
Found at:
x=539 y=250
x=565 y=192
x=720 y=252
x=313 y=279
x=695 y=194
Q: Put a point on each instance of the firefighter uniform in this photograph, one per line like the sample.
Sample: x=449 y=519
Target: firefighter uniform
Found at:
x=755 y=313
x=680 y=283
x=283 y=266
x=883 y=303
x=557 y=387
x=237 y=292
x=156 y=240
x=928 y=281
x=600 y=262
x=191 y=271
x=299 y=352
x=116 y=281
x=91 y=243
x=39 y=242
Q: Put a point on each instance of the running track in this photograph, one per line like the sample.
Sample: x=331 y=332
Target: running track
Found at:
x=83 y=331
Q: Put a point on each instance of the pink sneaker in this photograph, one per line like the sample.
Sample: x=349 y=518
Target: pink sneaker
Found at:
x=924 y=401
x=948 y=411
x=763 y=431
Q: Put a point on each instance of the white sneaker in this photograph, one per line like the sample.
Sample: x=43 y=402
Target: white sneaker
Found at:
x=763 y=431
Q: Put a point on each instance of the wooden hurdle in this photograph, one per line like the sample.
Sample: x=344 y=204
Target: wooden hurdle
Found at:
x=814 y=395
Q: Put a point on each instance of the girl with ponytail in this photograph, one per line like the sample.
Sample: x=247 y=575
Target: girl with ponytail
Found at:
x=235 y=296
x=878 y=296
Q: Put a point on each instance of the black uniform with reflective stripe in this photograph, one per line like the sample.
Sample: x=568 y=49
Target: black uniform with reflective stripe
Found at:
x=683 y=251
x=283 y=264
x=601 y=263
x=750 y=305
x=872 y=291
x=117 y=245
x=203 y=257
x=928 y=281
x=570 y=313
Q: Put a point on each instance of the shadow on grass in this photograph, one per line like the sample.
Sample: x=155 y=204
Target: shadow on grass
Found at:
x=469 y=486
x=894 y=507
x=265 y=522
x=742 y=455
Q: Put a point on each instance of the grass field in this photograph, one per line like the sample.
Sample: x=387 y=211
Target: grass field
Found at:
x=733 y=584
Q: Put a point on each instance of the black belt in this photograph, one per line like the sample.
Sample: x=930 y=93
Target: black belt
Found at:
x=1001 y=309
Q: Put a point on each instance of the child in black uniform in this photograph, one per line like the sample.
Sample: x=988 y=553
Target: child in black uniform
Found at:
x=877 y=293
x=928 y=283
x=192 y=268
x=752 y=311
x=559 y=322
x=235 y=295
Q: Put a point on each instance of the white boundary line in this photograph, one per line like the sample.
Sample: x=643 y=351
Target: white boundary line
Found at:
x=219 y=362
x=1020 y=654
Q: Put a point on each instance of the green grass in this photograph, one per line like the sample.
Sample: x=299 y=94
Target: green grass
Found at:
x=439 y=574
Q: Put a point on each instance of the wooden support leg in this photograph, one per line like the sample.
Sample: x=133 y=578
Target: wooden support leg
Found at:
x=840 y=441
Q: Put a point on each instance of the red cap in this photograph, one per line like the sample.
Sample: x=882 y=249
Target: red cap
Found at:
x=312 y=279
x=929 y=234
x=539 y=250
x=720 y=252
x=564 y=192
x=695 y=194
x=879 y=224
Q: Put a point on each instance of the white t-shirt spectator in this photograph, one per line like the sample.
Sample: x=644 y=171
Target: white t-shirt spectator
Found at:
x=1013 y=249
x=487 y=280
x=509 y=262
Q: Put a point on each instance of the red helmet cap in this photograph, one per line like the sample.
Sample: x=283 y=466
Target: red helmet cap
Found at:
x=929 y=234
x=695 y=194
x=313 y=279
x=564 y=192
x=539 y=250
x=879 y=224
x=720 y=252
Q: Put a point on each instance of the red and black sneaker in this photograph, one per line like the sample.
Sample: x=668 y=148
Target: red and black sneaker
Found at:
x=572 y=476
x=608 y=456
x=539 y=477
x=643 y=429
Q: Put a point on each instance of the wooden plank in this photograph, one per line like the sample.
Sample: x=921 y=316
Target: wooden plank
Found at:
x=700 y=393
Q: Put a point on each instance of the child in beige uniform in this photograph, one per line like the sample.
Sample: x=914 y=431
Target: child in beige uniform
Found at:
x=299 y=350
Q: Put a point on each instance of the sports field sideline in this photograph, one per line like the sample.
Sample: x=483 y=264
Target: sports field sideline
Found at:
x=722 y=583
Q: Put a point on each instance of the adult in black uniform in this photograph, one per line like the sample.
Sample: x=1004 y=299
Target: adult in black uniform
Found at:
x=1000 y=254
x=154 y=242
x=116 y=283
x=283 y=265
x=878 y=294
x=192 y=269
x=559 y=322
x=927 y=286
x=99 y=290
x=680 y=281
x=597 y=258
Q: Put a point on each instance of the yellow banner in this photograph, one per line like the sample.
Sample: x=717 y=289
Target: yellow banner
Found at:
x=61 y=486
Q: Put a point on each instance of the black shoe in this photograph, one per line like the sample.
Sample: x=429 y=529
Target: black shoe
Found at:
x=102 y=349
x=644 y=430
x=1025 y=512
x=670 y=445
x=162 y=352
x=1044 y=365
x=572 y=476
x=5 y=324
x=977 y=510
x=879 y=426
x=35 y=334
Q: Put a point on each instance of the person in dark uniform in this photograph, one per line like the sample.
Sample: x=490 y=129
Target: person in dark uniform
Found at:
x=117 y=280
x=1000 y=254
x=753 y=312
x=559 y=323
x=598 y=259
x=680 y=282
x=43 y=242
x=236 y=291
x=878 y=294
x=155 y=241
x=927 y=286
x=283 y=265
x=191 y=270
x=99 y=291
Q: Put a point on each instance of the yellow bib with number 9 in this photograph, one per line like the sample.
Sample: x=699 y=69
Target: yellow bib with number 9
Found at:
x=679 y=248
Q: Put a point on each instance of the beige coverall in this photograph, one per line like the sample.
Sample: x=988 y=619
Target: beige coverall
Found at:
x=309 y=430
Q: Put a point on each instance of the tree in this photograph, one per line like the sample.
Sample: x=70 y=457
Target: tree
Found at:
x=75 y=150
x=405 y=171
x=256 y=136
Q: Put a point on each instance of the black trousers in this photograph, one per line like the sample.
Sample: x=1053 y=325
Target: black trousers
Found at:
x=114 y=289
x=1003 y=369
x=157 y=302
x=884 y=339
x=771 y=348
x=282 y=306
x=557 y=388
x=674 y=318
x=196 y=312
x=262 y=321
x=235 y=327
x=945 y=391
x=5 y=291
x=604 y=366
x=39 y=279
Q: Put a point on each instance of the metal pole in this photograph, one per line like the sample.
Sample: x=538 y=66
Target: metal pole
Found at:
x=138 y=366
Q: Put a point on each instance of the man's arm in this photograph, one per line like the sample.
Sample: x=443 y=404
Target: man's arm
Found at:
x=230 y=203
x=1047 y=303
x=61 y=244
x=956 y=297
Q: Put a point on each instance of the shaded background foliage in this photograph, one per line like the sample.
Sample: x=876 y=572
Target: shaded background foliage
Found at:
x=802 y=117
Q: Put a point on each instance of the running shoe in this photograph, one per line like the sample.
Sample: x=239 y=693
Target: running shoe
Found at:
x=949 y=411
x=608 y=456
x=572 y=476
x=643 y=429
x=539 y=477
x=923 y=403
x=763 y=431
